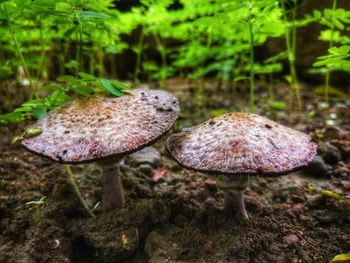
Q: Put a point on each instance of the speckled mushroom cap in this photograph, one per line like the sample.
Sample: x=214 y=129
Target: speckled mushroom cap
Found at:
x=242 y=143
x=100 y=127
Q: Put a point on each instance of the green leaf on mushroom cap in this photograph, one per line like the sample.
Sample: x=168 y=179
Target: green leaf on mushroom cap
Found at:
x=30 y=132
x=108 y=86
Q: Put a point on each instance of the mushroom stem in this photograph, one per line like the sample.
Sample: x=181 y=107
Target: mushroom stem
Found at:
x=234 y=203
x=234 y=188
x=113 y=195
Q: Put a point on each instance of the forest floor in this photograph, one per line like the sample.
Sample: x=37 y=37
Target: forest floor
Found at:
x=175 y=215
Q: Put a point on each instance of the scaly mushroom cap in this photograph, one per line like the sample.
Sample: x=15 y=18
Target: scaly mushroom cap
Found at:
x=99 y=127
x=241 y=143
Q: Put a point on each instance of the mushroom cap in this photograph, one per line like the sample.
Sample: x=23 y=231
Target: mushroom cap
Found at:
x=241 y=143
x=100 y=127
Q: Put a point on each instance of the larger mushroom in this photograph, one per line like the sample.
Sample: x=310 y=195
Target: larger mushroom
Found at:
x=104 y=130
x=236 y=146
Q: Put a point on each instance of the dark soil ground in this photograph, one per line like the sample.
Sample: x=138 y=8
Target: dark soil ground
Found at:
x=175 y=215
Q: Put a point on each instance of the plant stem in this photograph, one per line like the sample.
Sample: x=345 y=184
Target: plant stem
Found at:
x=270 y=88
x=271 y=96
x=42 y=55
x=71 y=178
x=91 y=63
x=100 y=57
x=100 y=66
x=328 y=73
x=81 y=59
x=19 y=53
x=162 y=52
x=251 y=60
x=139 y=53
x=294 y=44
x=290 y=38
x=7 y=101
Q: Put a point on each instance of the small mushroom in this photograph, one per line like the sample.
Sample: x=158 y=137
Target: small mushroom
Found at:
x=238 y=145
x=104 y=130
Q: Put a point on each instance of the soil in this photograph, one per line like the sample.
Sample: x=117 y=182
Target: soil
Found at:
x=176 y=215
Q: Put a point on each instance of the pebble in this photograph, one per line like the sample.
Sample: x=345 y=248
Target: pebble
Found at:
x=297 y=198
x=341 y=170
x=333 y=132
x=290 y=239
x=318 y=167
x=314 y=201
x=345 y=184
x=148 y=155
x=330 y=153
x=343 y=146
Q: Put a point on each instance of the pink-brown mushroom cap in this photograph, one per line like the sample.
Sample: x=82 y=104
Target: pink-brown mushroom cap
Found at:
x=242 y=143
x=101 y=127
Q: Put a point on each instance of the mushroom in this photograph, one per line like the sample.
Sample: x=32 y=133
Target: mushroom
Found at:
x=238 y=145
x=104 y=130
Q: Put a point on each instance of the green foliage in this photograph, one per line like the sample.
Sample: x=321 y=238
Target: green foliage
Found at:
x=336 y=21
x=84 y=85
x=74 y=33
x=30 y=132
x=41 y=41
x=332 y=91
x=277 y=105
x=336 y=59
x=37 y=204
x=333 y=18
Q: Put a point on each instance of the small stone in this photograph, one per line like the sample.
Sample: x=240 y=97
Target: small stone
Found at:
x=314 y=201
x=148 y=155
x=330 y=153
x=341 y=170
x=333 y=132
x=345 y=184
x=343 y=146
x=297 y=198
x=285 y=192
x=318 y=167
x=290 y=239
